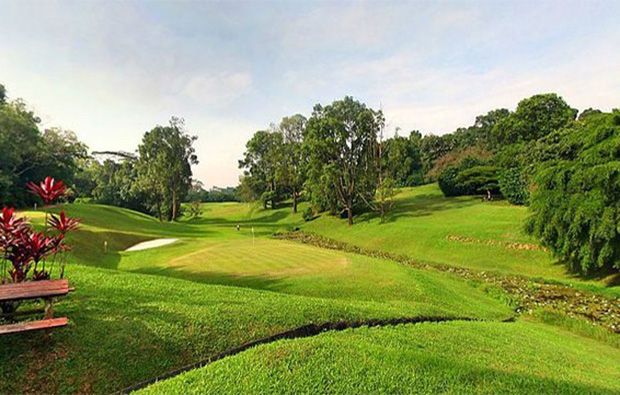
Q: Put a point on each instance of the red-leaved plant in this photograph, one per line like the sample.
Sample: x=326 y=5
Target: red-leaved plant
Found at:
x=28 y=255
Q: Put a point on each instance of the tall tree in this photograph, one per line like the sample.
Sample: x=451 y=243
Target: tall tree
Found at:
x=261 y=161
x=166 y=156
x=2 y=95
x=575 y=205
x=292 y=170
x=341 y=139
x=402 y=159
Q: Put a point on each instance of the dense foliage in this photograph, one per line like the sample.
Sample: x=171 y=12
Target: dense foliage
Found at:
x=342 y=141
x=576 y=200
x=27 y=153
x=514 y=185
x=164 y=169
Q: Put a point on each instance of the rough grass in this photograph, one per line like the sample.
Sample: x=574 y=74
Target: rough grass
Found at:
x=428 y=358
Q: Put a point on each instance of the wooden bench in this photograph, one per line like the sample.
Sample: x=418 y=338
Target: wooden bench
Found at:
x=46 y=290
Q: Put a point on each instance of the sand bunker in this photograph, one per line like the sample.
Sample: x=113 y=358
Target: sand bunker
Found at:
x=151 y=244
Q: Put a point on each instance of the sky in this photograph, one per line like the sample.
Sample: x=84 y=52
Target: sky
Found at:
x=112 y=70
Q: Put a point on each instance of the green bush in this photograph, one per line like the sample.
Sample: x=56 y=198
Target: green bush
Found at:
x=447 y=182
x=514 y=186
x=466 y=180
x=575 y=202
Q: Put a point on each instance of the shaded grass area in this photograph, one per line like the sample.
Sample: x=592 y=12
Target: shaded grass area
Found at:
x=427 y=358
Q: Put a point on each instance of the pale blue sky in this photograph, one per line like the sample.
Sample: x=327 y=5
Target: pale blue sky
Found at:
x=112 y=70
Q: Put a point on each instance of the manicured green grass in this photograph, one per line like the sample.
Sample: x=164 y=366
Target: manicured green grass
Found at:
x=125 y=328
x=136 y=315
x=429 y=358
x=293 y=268
x=430 y=228
x=128 y=327
x=423 y=219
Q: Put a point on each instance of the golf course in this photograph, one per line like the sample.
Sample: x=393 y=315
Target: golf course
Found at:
x=229 y=279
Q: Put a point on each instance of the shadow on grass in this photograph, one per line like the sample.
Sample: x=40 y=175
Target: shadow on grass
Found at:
x=419 y=206
x=608 y=277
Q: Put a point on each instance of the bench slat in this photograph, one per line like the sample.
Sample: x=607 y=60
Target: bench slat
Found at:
x=33 y=325
x=34 y=289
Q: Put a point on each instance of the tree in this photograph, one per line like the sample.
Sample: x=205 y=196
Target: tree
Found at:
x=386 y=186
x=341 y=139
x=2 y=95
x=26 y=154
x=262 y=161
x=166 y=155
x=575 y=203
x=402 y=159
x=534 y=118
x=433 y=147
x=292 y=171
x=116 y=183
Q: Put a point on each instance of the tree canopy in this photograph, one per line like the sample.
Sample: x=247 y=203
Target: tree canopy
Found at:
x=341 y=139
x=164 y=171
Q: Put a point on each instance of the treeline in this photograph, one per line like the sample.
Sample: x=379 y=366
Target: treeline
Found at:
x=198 y=193
x=155 y=179
x=337 y=157
x=564 y=166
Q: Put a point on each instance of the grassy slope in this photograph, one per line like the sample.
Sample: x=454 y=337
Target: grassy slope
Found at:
x=454 y=358
x=128 y=327
x=419 y=227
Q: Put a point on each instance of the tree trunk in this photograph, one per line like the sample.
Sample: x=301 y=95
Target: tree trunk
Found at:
x=174 y=206
x=350 y=213
x=295 y=202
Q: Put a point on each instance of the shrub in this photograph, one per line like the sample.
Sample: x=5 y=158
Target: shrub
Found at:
x=514 y=186
x=84 y=200
x=468 y=180
x=575 y=201
x=26 y=254
x=447 y=182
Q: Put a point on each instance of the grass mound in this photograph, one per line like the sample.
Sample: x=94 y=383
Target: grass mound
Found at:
x=427 y=358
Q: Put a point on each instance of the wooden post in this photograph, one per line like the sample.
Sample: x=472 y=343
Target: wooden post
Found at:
x=49 y=314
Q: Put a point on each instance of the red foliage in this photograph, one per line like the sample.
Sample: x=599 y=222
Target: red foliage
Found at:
x=63 y=223
x=49 y=190
x=23 y=249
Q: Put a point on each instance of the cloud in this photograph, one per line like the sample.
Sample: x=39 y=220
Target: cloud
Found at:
x=219 y=89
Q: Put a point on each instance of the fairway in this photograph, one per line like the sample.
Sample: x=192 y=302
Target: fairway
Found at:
x=158 y=309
